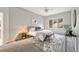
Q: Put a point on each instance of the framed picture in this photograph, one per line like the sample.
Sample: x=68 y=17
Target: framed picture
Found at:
x=56 y=23
x=60 y=23
x=34 y=21
x=50 y=23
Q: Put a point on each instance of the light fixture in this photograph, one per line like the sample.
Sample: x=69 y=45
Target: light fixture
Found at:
x=47 y=9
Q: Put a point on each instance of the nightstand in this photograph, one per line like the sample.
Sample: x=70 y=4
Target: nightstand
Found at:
x=71 y=43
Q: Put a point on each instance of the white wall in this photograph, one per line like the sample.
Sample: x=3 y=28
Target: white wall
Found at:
x=65 y=15
x=21 y=17
x=5 y=11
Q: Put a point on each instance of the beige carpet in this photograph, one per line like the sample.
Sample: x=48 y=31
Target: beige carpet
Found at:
x=26 y=45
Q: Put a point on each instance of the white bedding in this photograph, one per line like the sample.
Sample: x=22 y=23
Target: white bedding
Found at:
x=33 y=33
x=59 y=30
x=58 y=41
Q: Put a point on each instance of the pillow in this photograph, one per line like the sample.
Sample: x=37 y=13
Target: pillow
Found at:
x=59 y=30
x=32 y=29
x=40 y=36
x=38 y=28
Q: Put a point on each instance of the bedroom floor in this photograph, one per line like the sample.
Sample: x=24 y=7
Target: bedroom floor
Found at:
x=26 y=45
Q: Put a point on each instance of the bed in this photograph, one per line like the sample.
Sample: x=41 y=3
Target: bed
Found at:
x=34 y=30
x=55 y=42
x=41 y=40
x=43 y=37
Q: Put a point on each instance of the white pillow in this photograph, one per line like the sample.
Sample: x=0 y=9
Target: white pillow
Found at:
x=32 y=29
x=59 y=30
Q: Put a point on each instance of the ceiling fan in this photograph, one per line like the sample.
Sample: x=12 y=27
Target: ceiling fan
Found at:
x=47 y=9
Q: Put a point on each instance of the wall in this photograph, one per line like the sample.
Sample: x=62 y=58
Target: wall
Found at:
x=5 y=11
x=65 y=15
x=21 y=17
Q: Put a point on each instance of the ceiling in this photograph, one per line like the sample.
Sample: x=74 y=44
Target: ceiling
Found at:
x=51 y=10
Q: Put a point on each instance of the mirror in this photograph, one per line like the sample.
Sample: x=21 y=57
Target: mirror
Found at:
x=74 y=18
